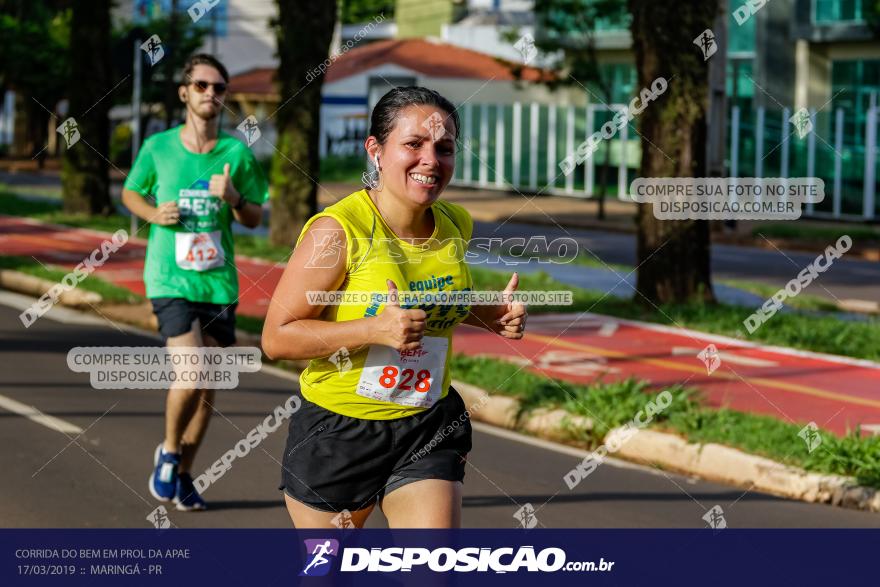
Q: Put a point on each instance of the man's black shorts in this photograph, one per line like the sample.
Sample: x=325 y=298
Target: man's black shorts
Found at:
x=176 y=316
x=334 y=462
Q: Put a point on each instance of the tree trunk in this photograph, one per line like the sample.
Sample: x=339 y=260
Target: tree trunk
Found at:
x=295 y=165
x=606 y=155
x=172 y=100
x=84 y=178
x=673 y=255
x=38 y=122
x=603 y=180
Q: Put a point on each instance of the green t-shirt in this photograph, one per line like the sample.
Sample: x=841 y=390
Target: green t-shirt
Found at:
x=195 y=258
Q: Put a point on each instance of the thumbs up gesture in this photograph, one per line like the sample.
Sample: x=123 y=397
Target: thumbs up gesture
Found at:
x=398 y=328
x=221 y=186
x=510 y=317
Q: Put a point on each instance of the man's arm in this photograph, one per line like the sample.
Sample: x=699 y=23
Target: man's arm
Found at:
x=164 y=214
x=247 y=213
x=250 y=214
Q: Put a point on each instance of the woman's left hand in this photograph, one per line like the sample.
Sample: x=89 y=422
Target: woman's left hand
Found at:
x=510 y=318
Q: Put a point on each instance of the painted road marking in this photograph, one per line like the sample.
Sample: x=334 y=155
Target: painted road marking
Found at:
x=872 y=429
x=674 y=366
x=726 y=357
x=35 y=415
x=574 y=362
x=516 y=360
x=735 y=342
x=607 y=328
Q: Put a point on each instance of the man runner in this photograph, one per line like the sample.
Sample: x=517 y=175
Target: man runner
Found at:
x=202 y=179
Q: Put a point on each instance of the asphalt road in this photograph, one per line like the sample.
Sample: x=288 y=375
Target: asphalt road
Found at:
x=99 y=478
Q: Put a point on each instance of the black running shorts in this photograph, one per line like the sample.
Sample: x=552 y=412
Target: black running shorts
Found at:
x=334 y=462
x=176 y=316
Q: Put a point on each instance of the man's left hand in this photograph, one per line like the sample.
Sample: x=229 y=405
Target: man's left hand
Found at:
x=221 y=187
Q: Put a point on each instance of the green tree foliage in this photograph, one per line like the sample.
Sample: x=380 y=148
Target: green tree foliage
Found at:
x=34 y=61
x=358 y=11
x=155 y=79
x=568 y=28
x=871 y=10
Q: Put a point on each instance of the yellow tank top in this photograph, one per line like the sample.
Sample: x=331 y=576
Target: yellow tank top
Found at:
x=374 y=254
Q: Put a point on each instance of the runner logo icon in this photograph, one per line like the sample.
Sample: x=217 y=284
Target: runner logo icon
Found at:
x=319 y=555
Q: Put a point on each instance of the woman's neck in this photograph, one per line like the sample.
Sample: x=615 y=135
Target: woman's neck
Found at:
x=407 y=222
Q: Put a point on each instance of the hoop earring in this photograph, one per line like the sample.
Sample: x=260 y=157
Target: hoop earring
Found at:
x=372 y=179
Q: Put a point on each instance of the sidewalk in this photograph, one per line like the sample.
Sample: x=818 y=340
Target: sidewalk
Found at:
x=835 y=392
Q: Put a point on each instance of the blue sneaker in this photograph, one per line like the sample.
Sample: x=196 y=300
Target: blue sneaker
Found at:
x=187 y=498
x=163 y=479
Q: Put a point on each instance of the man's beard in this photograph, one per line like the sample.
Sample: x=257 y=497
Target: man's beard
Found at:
x=206 y=113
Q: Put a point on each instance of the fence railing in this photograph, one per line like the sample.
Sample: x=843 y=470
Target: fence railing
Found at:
x=841 y=149
x=527 y=141
x=519 y=146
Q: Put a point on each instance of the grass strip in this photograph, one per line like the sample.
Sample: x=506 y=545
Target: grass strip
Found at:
x=110 y=292
x=827 y=334
x=823 y=234
x=612 y=404
x=12 y=205
x=802 y=301
x=259 y=247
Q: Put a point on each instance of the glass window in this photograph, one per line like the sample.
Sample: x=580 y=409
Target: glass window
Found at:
x=740 y=87
x=852 y=83
x=831 y=11
x=617 y=17
x=742 y=36
x=208 y=16
x=621 y=78
x=615 y=23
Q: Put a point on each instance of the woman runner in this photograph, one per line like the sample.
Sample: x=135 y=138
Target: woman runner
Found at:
x=380 y=422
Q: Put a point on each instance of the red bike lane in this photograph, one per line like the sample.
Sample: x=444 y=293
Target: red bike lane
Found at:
x=836 y=393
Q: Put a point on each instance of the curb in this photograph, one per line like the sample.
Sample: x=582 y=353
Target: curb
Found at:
x=859 y=306
x=713 y=462
x=729 y=465
x=23 y=283
x=36 y=286
x=506 y=412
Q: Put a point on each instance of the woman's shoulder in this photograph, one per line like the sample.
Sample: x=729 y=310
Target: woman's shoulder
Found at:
x=459 y=216
x=350 y=212
x=353 y=204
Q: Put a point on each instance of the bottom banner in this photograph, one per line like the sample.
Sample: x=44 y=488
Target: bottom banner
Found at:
x=437 y=557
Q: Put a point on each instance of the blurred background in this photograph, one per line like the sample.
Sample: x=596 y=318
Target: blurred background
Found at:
x=657 y=304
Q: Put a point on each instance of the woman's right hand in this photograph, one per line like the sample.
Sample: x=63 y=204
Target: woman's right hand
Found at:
x=167 y=213
x=398 y=328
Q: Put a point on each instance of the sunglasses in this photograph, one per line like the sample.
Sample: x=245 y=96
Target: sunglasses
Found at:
x=202 y=86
